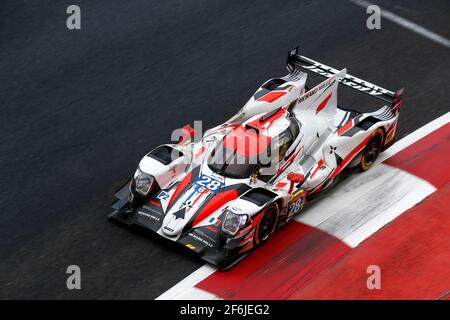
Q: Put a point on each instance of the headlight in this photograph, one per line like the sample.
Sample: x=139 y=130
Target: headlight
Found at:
x=233 y=222
x=143 y=182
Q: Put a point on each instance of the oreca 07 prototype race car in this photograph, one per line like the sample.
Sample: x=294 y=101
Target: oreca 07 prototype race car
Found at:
x=228 y=192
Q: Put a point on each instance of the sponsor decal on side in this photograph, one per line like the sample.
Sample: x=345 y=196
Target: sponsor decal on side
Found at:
x=142 y=213
x=200 y=239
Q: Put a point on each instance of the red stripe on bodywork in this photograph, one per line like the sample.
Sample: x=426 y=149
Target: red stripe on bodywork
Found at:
x=274 y=117
x=289 y=161
x=155 y=203
x=324 y=103
x=428 y=158
x=181 y=187
x=391 y=127
x=215 y=230
x=319 y=165
x=214 y=204
x=345 y=127
x=272 y=96
x=281 y=184
x=287 y=262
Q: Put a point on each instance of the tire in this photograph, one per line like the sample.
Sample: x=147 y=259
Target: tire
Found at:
x=372 y=150
x=390 y=143
x=267 y=224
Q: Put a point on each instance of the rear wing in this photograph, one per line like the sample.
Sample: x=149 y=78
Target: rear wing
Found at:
x=296 y=61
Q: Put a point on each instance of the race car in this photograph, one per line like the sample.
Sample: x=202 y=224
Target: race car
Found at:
x=226 y=192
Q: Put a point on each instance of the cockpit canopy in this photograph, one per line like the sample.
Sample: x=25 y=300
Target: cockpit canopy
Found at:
x=245 y=149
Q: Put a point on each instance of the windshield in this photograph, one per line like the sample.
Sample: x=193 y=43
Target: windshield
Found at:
x=230 y=163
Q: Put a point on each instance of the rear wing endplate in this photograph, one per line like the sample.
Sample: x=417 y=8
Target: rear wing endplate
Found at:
x=297 y=61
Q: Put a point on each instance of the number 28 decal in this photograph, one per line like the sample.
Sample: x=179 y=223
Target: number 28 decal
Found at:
x=293 y=207
x=209 y=183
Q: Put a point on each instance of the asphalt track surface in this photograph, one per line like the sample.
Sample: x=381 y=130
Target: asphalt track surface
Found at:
x=80 y=108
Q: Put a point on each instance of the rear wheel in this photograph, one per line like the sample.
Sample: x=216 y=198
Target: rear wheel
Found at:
x=266 y=225
x=372 y=149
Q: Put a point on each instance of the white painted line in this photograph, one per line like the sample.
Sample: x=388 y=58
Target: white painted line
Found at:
x=193 y=293
x=366 y=202
x=181 y=289
x=407 y=24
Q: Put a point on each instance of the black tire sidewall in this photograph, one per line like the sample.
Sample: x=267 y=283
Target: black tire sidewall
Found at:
x=257 y=240
x=377 y=133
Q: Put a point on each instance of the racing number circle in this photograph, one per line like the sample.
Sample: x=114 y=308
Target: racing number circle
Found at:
x=266 y=225
x=372 y=149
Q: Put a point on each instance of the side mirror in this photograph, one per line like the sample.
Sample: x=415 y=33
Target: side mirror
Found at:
x=294 y=178
x=187 y=134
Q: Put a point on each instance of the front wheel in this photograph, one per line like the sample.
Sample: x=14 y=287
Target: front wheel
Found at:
x=266 y=225
x=372 y=149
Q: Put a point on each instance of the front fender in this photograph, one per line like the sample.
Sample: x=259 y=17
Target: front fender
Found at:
x=165 y=164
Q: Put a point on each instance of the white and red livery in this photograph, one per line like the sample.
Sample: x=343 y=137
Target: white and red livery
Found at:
x=227 y=193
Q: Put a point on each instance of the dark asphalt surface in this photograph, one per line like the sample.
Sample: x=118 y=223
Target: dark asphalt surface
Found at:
x=80 y=108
